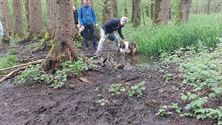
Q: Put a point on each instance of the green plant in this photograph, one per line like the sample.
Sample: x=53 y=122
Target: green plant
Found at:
x=117 y=89
x=202 y=72
x=136 y=90
x=33 y=73
x=102 y=102
x=76 y=67
x=167 y=110
x=60 y=78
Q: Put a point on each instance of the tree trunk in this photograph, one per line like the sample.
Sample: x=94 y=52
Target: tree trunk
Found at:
x=5 y=21
x=50 y=26
x=34 y=16
x=64 y=30
x=18 y=21
x=183 y=10
x=156 y=11
x=164 y=11
x=197 y=8
x=115 y=8
x=152 y=9
x=107 y=10
x=136 y=9
x=125 y=9
x=27 y=13
x=207 y=10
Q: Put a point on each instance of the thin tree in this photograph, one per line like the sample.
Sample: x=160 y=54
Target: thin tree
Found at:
x=18 y=21
x=207 y=9
x=50 y=25
x=115 y=8
x=136 y=12
x=64 y=30
x=107 y=10
x=34 y=16
x=164 y=11
x=5 y=21
x=125 y=8
x=156 y=11
x=183 y=10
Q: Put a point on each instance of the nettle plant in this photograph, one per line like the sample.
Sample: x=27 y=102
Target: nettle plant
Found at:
x=201 y=69
x=135 y=90
x=35 y=74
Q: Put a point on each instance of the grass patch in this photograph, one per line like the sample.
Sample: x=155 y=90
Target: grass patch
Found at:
x=167 y=38
x=9 y=60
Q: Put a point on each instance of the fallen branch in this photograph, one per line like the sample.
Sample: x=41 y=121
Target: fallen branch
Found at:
x=11 y=73
x=22 y=65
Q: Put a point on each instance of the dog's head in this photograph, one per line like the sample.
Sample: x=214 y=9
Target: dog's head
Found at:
x=128 y=47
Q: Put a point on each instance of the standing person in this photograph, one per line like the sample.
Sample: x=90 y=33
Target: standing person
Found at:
x=87 y=18
x=108 y=29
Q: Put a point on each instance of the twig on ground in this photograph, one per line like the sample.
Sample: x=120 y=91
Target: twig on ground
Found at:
x=22 y=65
x=11 y=73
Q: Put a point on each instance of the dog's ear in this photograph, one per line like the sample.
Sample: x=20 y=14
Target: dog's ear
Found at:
x=122 y=44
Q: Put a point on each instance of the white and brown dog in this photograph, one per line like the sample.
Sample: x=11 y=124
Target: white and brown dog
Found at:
x=127 y=47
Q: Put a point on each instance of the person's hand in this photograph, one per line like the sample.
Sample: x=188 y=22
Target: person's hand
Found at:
x=81 y=29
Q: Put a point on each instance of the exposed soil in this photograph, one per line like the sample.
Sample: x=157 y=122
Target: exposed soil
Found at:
x=77 y=102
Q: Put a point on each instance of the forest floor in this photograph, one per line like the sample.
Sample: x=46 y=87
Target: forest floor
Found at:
x=80 y=101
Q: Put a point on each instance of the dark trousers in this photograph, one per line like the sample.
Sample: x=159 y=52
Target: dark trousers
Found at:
x=88 y=33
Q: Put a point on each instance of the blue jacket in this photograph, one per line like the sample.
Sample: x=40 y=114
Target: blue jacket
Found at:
x=113 y=25
x=87 y=15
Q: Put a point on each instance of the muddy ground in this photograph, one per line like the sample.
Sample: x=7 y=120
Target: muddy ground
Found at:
x=77 y=102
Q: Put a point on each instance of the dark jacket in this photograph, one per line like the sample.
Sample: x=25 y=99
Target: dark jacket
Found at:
x=87 y=15
x=113 y=25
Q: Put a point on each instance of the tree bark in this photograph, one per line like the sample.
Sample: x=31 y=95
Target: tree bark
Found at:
x=5 y=20
x=62 y=47
x=136 y=12
x=115 y=8
x=183 y=10
x=152 y=9
x=207 y=10
x=164 y=11
x=50 y=26
x=107 y=10
x=156 y=11
x=18 y=21
x=34 y=16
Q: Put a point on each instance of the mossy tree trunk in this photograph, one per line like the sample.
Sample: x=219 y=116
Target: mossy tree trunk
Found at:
x=107 y=10
x=62 y=47
x=18 y=21
x=5 y=20
x=136 y=12
x=115 y=8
